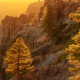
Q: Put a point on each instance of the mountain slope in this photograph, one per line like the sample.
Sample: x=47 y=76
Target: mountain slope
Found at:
x=34 y=40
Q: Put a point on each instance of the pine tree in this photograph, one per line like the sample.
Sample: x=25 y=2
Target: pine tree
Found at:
x=74 y=49
x=32 y=22
x=18 y=58
x=48 y=21
x=76 y=16
x=74 y=56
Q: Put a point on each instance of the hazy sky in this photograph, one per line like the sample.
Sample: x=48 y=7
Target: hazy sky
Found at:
x=18 y=0
x=13 y=7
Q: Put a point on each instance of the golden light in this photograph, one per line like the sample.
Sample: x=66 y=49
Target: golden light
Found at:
x=14 y=7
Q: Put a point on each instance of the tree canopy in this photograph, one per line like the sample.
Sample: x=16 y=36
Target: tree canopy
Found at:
x=48 y=21
x=18 y=58
x=74 y=49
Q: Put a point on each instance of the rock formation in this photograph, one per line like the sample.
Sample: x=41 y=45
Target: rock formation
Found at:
x=61 y=9
x=33 y=8
x=1 y=34
x=9 y=24
x=55 y=72
x=13 y=27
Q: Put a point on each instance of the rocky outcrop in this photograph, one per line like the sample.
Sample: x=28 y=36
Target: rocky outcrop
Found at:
x=61 y=9
x=55 y=72
x=13 y=27
x=31 y=36
x=33 y=8
x=9 y=23
x=1 y=34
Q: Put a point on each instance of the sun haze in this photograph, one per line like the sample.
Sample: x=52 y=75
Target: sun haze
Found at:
x=13 y=7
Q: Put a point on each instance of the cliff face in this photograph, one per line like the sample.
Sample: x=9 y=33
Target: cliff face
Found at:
x=9 y=24
x=33 y=8
x=1 y=34
x=61 y=9
x=56 y=72
x=17 y=27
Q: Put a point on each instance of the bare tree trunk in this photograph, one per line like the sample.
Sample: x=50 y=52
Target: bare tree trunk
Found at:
x=3 y=74
x=18 y=70
x=40 y=60
x=51 y=35
x=18 y=78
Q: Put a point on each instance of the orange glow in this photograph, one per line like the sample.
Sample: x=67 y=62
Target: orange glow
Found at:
x=13 y=7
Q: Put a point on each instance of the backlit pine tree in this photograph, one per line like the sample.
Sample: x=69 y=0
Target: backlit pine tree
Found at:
x=74 y=49
x=76 y=16
x=47 y=22
x=74 y=57
x=18 y=58
x=32 y=22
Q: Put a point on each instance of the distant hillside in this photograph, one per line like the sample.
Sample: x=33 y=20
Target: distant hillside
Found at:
x=13 y=8
x=13 y=22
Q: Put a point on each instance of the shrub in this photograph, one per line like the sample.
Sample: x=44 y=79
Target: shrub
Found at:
x=74 y=57
x=61 y=58
x=57 y=30
x=61 y=38
x=32 y=22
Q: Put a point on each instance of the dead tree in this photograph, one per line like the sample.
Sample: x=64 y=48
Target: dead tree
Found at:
x=40 y=60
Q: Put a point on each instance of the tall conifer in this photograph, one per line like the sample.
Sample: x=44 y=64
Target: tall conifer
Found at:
x=74 y=49
x=48 y=21
x=74 y=57
x=18 y=58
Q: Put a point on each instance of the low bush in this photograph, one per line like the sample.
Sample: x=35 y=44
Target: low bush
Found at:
x=58 y=39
